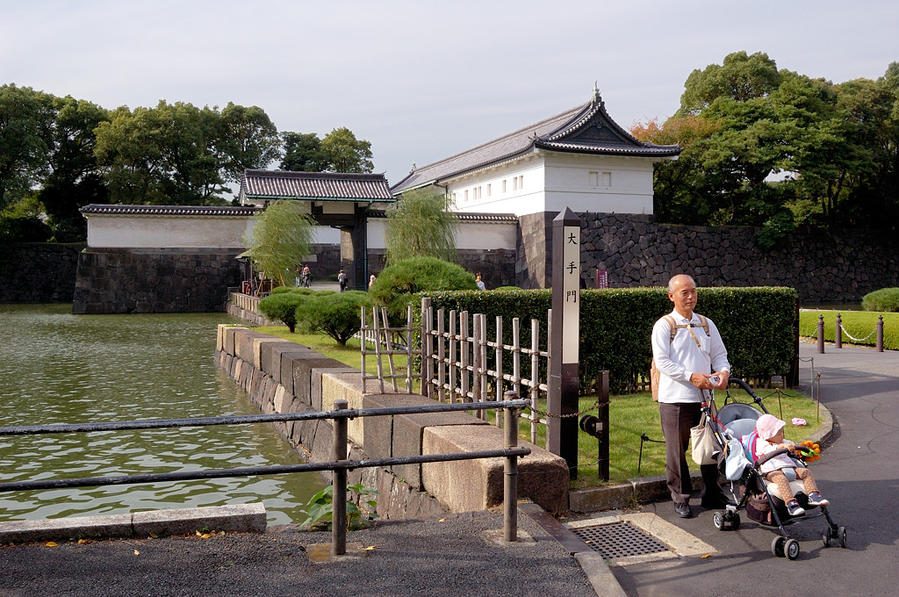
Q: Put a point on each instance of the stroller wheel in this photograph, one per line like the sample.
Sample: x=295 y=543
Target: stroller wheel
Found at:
x=777 y=546
x=718 y=521
x=792 y=549
x=842 y=535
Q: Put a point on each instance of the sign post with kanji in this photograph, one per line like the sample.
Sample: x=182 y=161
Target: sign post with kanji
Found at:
x=562 y=406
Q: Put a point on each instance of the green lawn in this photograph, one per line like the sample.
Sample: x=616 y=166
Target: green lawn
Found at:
x=860 y=324
x=629 y=416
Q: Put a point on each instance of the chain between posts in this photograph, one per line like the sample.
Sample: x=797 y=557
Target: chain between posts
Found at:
x=589 y=409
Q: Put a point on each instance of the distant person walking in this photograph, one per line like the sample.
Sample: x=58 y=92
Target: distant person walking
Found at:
x=371 y=280
x=306 y=276
x=341 y=279
x=480 y=282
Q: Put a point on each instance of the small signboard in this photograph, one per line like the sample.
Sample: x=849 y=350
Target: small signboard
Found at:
x=602 y=278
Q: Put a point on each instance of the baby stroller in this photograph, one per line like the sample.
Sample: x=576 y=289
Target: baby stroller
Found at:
x=744 y=486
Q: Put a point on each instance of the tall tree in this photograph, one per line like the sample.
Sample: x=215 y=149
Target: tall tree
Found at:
x=74 y=178
x=249 y=139
x=25 y=119
x=346 y=153
x=165 y=154
x=303 y=153
x=420 y=225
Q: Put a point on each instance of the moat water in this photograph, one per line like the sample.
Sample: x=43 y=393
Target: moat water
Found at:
x=56 y=367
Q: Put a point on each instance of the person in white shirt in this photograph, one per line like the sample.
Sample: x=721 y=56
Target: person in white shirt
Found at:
x=689 y=361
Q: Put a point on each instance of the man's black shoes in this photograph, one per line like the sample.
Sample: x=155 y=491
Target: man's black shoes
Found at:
x=683 y=510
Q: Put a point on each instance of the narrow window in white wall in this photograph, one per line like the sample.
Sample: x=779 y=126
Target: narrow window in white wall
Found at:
x=606 y=179
x=488 y=189
x=521 y=181
x=466 y=196
x=479 y=193
x=514 y=183
x=504 y=185
x=594 y=179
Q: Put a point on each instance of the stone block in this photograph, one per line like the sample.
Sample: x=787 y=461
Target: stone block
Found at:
x=469 y=485
x=243 y=518
x=346 y=386
x=270 y=357
x=244 y=345
x=315 y=385
x=229 y=335
x=286 y=368
x=62 y=529
x=302 y=367
x=258 y=342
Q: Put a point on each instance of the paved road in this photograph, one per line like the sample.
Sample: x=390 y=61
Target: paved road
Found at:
x=858 y=472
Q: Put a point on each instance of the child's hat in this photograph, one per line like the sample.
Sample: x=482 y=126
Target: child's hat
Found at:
x=768 y=425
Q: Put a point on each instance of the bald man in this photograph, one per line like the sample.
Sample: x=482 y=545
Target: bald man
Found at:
x=686 y=361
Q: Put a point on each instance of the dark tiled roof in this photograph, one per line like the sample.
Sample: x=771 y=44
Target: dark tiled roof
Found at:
x=585 y=129
x=279 y=184
x=464 y=216
x=169 y=210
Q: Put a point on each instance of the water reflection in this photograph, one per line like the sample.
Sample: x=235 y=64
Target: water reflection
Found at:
x=56 y=367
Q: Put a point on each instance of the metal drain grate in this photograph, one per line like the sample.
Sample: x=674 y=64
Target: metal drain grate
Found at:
x=619 y=540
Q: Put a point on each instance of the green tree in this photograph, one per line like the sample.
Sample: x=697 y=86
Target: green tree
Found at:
x=162 y=155
x=74 y=178
x=25 y=118
x=420 y=225
x=740 y=77
x=280 y=239
x=399 y=281
x=249 y=139
x=346 y=153
x=303 y=153
x=337 y=315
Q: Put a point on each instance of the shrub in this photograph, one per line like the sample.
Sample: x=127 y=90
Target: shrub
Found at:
x=885 y=299
x=281 y=289
x=397 y=284
x=337 y=315
x=758 y=325
x=282 y=307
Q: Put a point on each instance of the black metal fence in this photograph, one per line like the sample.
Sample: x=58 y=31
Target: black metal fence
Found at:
x=339 y=464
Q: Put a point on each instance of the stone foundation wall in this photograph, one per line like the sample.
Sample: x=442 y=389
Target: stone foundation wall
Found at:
x=823 y=269
x=154 y=280
x=283 y=377
x=38 y=272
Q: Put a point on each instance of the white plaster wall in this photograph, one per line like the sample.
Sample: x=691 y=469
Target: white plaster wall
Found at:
x=171 y=232
x=580 y=183
x=154 y=232
x=530 y=198
x=469 y=235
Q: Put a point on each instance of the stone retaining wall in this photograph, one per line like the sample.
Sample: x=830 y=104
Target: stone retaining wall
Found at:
x=822 y=268
x=155 y=280
x=284 y=377
x=38 y=272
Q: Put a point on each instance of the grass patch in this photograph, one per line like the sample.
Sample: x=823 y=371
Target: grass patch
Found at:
x=630 y=416
x=860 y=324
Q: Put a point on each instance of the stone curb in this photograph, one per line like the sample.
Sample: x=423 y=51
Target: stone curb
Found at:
x=243 y=518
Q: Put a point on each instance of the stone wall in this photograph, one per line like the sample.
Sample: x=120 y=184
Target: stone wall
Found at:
x=823 y=269
x=283 y=377
x=38 y=272
x=154 y=280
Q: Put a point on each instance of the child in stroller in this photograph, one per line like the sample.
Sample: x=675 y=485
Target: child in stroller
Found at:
x=743 y=480
x=770 y=432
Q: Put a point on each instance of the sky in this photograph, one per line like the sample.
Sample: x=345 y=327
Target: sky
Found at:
x=424 y=80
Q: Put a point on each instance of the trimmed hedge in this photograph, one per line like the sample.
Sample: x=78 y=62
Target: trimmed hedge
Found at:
x=885 y=299
x=282 y=307
x=337 y=315
x=396 y=286
x=759 y=326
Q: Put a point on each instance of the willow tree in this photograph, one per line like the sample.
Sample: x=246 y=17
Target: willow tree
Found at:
x=280 y=239
x=421 y=225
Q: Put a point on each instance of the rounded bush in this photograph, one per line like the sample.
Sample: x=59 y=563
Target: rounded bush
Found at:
x=335 y=314
x=282 y=307
x=397 y=284
x=281 y=289
x=885 y=299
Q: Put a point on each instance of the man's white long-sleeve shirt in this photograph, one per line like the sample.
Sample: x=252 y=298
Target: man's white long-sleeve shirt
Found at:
x=677 y=359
